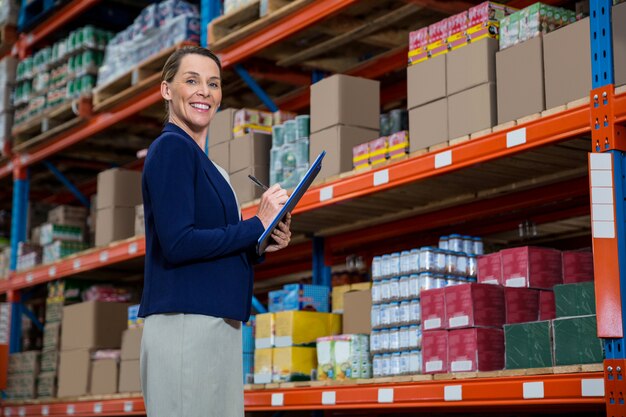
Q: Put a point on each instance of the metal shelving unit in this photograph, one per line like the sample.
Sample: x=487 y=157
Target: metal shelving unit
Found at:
x=340 y=198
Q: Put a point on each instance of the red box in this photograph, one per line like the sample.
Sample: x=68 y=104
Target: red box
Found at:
x=490 y=269
x=521 y=305
x=531 y=267
x=435 y=352
x=547 y=307
x=438 y=31
x=577 y=266
x=418 y=38
x=474 y=305
x=475 y=350
x=433 y=303
x=458 y=23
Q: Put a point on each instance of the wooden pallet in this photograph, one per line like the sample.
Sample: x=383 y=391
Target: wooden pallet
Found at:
x=143 y=76
x=50 y=123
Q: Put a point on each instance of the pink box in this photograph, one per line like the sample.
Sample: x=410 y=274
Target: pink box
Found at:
x=438 y=31
x=458 y=23
x=360 y=156
x=433 y=305
x=547 y=307
x=488 y=12
x=398 y=144
x=531 y=267
x=490 y=269
x=418 y=38
x=435 y=352
x=473 y=305
x=521 y=305
x=475 y=350
x=378 y=150
x=577 y=266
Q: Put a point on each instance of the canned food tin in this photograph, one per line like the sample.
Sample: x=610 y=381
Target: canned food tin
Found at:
x=472 y=266
x=405 y=312
x=290 y=131
x=413 y=342
x=394 y=364
x=375 y=341
x=440 y=281
x=366 y=369
x=385 y=365
x=414 y=286
x=405 y=359
x=478 y=246
x=394 y=289
x=443 y=243
x=462 y=264
x=394 y=313
x=385 y=315
x=405 y=262
x=385 y=264
x=394 y=339
x=455 y=243
x=440 y=260
x=376 y=267
x=303 y=126
x=377 y=292
x=403 y=336
x=468 y=245
x=394 y=264
x=451 y=261
x=414 y=261
x=404 y=288
x=375 y=316
x=415 y=312
x=427 y=281
x=385 y=291
x=415 y=362
x=377 y=366
x=427 y=259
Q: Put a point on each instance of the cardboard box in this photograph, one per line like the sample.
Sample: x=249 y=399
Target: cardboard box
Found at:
x=306 y=297
x=490 y=269
x=140 y=221
x=519 y=71
x=220 y=154
x=472 y=110
x=302 y=327
x=521 y=305
x=345 y=100
x=293 y=363
x=576 y=341
x=119 y=188
x=263 y=365
x=131 y=344
x=567 y=64
x=575 y=299
x=547 y=307
x=337 y=298
x=577 y=266
x=130 y=376
x=221 y=127
x=619 y=44
x=265 y=331
x=426 y=82
x=68 y=216
x=470 y=305
x=104 y=377
x=433 y=304
x=74 y=373
x=338 y=142
x=435 y=352
x=428 y=125
x=245 y=189
x=528 y=345
x=475 y=350
x=250 y=150
x=52 y=336
x=531 y=267
x=93 y=325
x=113 y=224
x=356 y=313
x=471 y=66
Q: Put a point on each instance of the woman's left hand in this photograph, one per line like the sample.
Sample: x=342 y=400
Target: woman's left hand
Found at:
x=281 y=235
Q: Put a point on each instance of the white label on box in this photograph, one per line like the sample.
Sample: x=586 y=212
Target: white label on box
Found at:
x=30 y=278
x=52 y=271
x=70 y=409
x=603 y=230
x=592 y=387
x=262 y=378
x=45 y=410
x=104 y=256
x=432 y=324
x=278 y=399
x=381 y=177
x=385 y=395
x=443 y=159
x=461 y=366
x=76 y=264
x=453 y=393
x=601 y=161
x=97 y=408
x=8 y=411
x=283 y=341
x=263 y=343
x=602 y=212
x=128 y=406
x=490 y=281
x=329 y=398
x=21 y=411
x=434 y=366
x=132 y=249
x=459 y=321
x=519 y=282
x=516 y=137
x=601 y=178
x=602 y=195
x=326 y=193
x=533 y=390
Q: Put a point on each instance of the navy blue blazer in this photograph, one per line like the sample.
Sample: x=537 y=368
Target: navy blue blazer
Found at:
x=199 y=253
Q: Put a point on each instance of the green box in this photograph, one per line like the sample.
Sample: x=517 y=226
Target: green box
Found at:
x=576 y=341
x=528 y=345
x=573 y=300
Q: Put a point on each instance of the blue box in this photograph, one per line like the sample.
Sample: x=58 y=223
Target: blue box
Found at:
x=306 y=297
x=248 y=368
x=247 y=332
x=275 y=301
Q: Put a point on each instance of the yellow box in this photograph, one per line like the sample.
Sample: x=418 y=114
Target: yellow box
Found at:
x=337 y=297
x=263 y=360
x=361 y=286
x=264 y=337
x=303 y=327
x=293 y=363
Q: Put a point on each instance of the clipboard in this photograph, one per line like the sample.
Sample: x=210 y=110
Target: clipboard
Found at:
x=291 y=203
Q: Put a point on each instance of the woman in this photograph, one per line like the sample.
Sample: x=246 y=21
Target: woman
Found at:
x=199 y=254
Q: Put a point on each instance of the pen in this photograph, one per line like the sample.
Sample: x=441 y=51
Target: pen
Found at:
x=258 y=183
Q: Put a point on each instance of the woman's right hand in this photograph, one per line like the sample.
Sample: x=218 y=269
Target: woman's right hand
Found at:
x=272 y=202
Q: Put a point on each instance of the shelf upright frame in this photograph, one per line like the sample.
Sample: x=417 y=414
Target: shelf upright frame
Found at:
x=607 y=164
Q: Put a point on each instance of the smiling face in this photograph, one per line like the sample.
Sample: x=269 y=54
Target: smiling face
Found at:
x=194 y=94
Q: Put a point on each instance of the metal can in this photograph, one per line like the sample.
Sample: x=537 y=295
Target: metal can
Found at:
x=366 y=369
x=415 y=312
x=385 y=365
x=394 y=339
x=413 y=342
x=385 y=316
x=427 y=259
x=384 y=266
x=394 y=289
x=404 y=288
x=377 y=292
x=443 y=243
x=394 y=264
x=405 y=359
x=462 y=264
x=405 y=262
x=405 y=312
x=290 y=131
x=440 y=261
x=472 y=266
x=414 y=286
x=414 y=261
x=375 y=341
x=394 y=313
x=455 y=243
x=394 y=364
x=375 y=316
x=383 y=338
x=468 y=245
x=303 y=126
x=415 y=362
x=385 y=288
x=451 y=261
x=403 y=336
x=440 y=281
x=427 y=281
x=478 y=246
x=376 y=266
x=377 y=366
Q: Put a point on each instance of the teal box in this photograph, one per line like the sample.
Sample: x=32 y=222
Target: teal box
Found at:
x=573 y=300
x=576 y=341
x=528 y=345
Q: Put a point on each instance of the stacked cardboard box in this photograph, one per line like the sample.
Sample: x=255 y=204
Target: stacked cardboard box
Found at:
x=22 y=375
x=345 y=112
x=249 y=155
x=140 y=225
x=220 y=136
x=339 y=291
x=129 y=378
x=299 y=297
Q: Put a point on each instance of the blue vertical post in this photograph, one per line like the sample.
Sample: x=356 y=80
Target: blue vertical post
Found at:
x=209 y=10
x=18 y=234
x=321 y=272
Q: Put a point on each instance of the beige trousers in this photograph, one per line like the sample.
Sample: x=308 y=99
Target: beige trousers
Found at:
x=191 y=366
